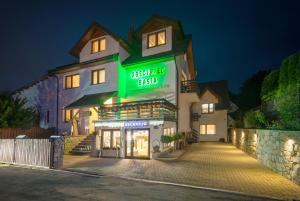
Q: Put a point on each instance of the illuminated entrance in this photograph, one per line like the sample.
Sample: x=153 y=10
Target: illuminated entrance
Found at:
x=137 y=143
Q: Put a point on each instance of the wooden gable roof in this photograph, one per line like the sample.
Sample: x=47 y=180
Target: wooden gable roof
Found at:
x=95 y=30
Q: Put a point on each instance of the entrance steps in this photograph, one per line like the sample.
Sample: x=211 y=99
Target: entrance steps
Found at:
x=85 y=146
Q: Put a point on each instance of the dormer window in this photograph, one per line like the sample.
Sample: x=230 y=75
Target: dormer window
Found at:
x=156 y=39
x=98 y=45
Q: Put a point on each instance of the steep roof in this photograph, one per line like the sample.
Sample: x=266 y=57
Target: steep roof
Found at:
x=157 y=22
x=220 y=90
x=96 y=30
x=178 y=47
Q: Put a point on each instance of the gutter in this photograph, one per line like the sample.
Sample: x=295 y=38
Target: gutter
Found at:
x=177 y=96
x=57 y=101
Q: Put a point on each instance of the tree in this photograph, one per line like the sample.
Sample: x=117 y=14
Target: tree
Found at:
x=249 y=95
x=270 y=85
x=14 y=113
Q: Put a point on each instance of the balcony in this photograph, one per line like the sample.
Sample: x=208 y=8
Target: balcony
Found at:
x=149 y=109
x=189 y=86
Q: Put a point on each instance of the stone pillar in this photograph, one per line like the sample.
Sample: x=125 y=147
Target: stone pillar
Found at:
x=57 y=152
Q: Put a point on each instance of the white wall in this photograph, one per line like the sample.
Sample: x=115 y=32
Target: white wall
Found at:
x=42 y=97
x=68 y=96
x=112 y=47
x=219 y=118
x=162 y=48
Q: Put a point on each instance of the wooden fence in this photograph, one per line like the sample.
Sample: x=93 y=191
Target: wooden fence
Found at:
x=33 y=133
x=34 y=152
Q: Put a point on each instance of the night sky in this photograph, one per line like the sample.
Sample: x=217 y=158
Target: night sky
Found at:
x=231 y=39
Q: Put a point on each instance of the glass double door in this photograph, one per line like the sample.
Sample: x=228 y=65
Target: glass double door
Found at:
x=137 y=143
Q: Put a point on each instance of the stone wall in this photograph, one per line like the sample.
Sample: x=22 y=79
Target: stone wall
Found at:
x=277 y=150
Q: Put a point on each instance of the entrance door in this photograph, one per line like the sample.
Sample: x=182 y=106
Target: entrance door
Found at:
x=137 y=143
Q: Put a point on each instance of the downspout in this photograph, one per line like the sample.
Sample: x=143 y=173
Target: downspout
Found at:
x=177 y=96
x=57 y=97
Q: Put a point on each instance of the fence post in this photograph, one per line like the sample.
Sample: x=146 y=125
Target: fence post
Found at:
x=57 y=152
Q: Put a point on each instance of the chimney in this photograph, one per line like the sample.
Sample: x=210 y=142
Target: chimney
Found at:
x=130 y=35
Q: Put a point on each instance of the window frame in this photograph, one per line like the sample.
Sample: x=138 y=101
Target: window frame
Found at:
x=156 y=38
x=71 y=76
x=206 y=129
x=71 y=115
x=98 y=73
x=99 y=45
x=208 y=108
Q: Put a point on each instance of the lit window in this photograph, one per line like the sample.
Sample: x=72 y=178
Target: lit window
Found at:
x=207 y=108
x=208 y=129
x=116 y=139
x=202 y=129
x=72 y=81
x=161 y=38
x=98 y=76
x=152 y=40
x=69 y=114
x=106 y=139
x=98 y=45
x=156 y=39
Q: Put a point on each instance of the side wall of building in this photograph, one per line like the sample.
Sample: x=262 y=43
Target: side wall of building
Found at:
x=42 y=97
x=218 y=118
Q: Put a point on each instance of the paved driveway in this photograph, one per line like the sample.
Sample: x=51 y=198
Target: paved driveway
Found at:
x=215 y=165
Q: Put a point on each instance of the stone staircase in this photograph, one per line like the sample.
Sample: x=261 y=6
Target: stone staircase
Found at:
x=85 y=146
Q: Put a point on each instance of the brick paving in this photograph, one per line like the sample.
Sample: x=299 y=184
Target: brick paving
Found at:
x=215 y=165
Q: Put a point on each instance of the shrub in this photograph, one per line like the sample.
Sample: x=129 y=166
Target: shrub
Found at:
x=166 y=139
x=177 y=136
x=289 y=108
x=255 y=119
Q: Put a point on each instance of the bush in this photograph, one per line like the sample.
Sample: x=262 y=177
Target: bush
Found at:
x=177 y=136
x=289 y=109
x=255 y=119
x=166 y=139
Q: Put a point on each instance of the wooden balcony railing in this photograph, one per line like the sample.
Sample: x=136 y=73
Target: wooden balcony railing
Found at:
x=189 y=86
x=149 y=109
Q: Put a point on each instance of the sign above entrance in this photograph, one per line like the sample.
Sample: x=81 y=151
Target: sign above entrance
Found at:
x=132 y=124
x=128 y=124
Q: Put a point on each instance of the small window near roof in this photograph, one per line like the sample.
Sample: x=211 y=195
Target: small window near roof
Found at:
x=98 y=45
x=156 y=39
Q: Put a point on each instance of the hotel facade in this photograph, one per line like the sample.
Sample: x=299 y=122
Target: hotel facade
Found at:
x=128 y=93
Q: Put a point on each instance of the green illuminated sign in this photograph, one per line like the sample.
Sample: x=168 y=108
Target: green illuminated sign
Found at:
x=147 y=76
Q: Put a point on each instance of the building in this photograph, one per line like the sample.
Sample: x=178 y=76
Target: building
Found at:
x=128 y=92
x=211 y=114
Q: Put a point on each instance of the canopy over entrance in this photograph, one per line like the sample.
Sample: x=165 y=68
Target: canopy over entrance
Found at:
x=92 y=100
